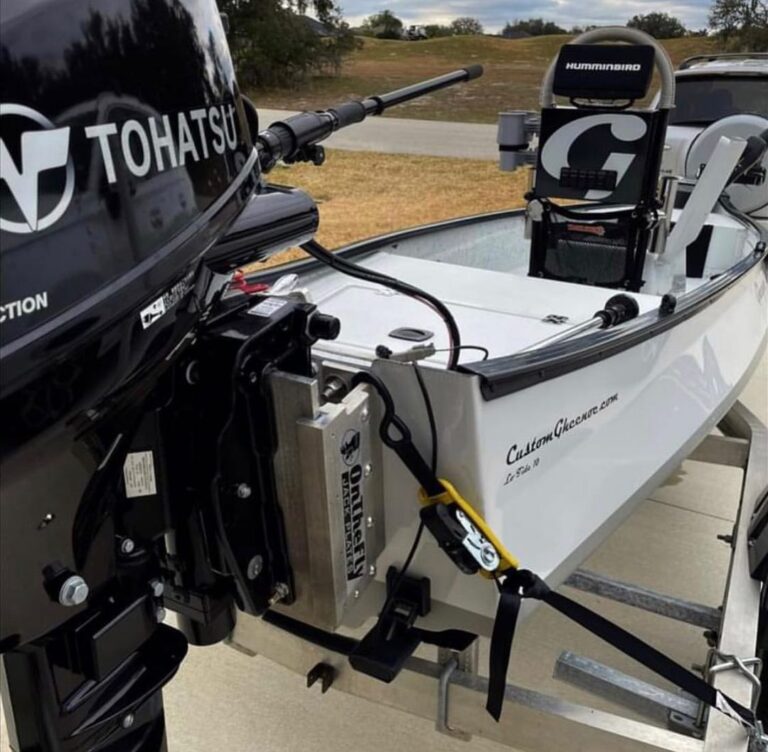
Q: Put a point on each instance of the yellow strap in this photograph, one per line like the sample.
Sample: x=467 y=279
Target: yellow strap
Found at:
x=451 y=496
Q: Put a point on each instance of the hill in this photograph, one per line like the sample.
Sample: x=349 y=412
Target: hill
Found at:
x=513 y=73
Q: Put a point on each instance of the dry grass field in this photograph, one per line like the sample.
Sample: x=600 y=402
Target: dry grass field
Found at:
x=361 y=194
x=513 y=73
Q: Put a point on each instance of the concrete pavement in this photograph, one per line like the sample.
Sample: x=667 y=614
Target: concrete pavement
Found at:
x=402 y=136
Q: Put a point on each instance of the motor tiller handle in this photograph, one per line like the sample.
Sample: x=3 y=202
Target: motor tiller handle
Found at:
x=295 y=138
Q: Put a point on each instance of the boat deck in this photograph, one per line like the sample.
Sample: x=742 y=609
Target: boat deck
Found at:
x=502 y=312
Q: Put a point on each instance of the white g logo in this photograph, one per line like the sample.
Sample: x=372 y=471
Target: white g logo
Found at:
x=624 y=127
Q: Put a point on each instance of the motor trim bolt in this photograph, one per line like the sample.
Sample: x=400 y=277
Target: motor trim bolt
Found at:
x=243 y=491
x=281 y=592
x=127 y=546
x=128 y=720
x=157 y=587
x=74 y=591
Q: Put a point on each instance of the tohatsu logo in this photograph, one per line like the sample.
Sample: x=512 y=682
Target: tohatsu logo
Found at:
x=43 y=148
x=143 y=144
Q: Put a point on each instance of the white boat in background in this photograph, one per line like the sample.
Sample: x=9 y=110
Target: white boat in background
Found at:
x=551 y=422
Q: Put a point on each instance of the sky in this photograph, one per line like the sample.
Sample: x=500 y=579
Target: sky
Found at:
x=493 y=14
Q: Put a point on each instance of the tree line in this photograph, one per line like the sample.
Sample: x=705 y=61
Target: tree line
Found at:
x=274 y=44
x=741 y=23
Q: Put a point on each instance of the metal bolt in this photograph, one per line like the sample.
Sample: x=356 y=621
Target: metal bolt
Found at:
x=365 y=414
x=255 y=565
x=160 y=614
x=372 y=570
x=369 y=522
x=127 y=546
x=368 y=469
x=47 y=520
x=74 y=591
x=725 y=539
x=157 y=587
x=282 y=591
x=356 y=594
x=127 y=721
x=243 y=491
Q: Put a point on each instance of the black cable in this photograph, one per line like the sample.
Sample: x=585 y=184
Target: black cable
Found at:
x=322 y=254
x=486 y=352
x=404 y=569
x=430 y=415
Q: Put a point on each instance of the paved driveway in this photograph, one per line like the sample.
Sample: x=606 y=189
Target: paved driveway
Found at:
x=401 y=136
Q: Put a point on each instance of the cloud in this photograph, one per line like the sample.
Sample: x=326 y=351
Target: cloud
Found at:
x=493 y=14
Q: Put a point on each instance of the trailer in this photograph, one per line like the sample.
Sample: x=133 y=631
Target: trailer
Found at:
x=450 y=687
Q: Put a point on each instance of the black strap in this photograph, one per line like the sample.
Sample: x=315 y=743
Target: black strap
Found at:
x=522 y=584
x=382 y=653
x=402 y=444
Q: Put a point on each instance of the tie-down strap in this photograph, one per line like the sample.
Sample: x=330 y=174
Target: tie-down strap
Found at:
x=464 y=536
x=521 y=584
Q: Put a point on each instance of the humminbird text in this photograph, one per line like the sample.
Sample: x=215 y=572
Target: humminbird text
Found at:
x=604 y=66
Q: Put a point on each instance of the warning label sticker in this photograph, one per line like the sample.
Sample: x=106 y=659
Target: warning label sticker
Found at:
x=267 y=307
x=139 y=475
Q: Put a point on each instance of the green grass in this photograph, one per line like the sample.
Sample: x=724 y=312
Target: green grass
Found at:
x=513 y=73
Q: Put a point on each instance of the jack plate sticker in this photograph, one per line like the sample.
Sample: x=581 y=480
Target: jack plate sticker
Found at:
x=352 y=505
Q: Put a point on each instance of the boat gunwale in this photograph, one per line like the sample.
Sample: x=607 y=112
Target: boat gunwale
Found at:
x=506 y=374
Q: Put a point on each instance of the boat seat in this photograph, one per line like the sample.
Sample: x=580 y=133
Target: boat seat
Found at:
x=601 y=152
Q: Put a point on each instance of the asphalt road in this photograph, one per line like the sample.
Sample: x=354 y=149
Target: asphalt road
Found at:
x=402 y=136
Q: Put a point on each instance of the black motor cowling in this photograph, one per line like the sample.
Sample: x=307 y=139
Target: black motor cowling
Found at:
x=125 y=153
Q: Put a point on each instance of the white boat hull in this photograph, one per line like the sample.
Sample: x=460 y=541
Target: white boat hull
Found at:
x=556 y=466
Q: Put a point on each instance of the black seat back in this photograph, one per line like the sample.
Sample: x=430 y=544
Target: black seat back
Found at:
x=606 y=153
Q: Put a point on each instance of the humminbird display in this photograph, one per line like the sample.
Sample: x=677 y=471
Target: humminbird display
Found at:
x=591 y=71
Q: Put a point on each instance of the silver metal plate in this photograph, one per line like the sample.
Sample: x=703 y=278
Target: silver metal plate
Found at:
x=329 y=487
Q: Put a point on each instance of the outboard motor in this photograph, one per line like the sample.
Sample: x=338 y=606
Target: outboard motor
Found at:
x=125 y=153
x=600 y=150
x=138 y=430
